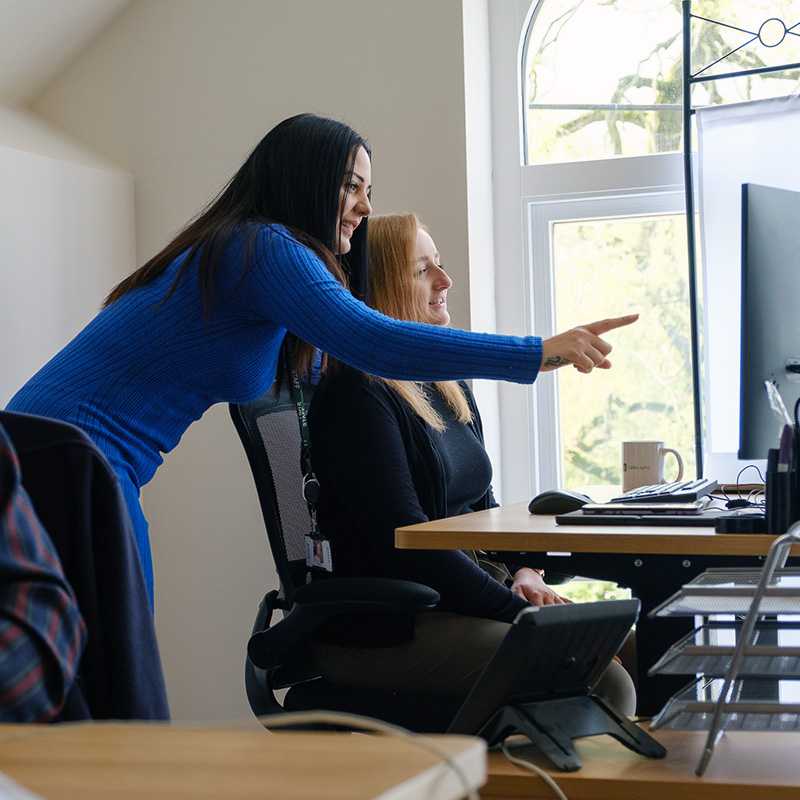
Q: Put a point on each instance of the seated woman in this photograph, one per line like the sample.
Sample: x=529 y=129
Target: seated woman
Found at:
x=389 y=453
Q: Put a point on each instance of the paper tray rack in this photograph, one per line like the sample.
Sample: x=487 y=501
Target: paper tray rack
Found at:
x=728 y=700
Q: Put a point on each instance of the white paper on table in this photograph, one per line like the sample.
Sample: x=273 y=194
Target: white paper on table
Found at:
x=11 y=790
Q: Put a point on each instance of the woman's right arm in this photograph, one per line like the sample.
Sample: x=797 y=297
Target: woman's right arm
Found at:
x=290 y=286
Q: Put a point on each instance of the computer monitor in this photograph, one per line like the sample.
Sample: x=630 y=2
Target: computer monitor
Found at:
x=770 y=344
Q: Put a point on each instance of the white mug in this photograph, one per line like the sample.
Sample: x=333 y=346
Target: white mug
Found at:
x=643 y=464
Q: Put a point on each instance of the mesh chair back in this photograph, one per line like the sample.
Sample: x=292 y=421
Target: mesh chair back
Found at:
x=270 y=434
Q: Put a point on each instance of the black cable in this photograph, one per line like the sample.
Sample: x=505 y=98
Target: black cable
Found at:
x=724 y=494
x=738 y=501
x=754 y=466
x=732 y=504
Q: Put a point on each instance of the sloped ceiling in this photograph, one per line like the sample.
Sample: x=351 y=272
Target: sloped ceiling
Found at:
x=38 y=38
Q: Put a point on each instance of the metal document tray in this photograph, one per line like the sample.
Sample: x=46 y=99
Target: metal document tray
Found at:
x=708 y=650
x=692 y=708
x=731 y=591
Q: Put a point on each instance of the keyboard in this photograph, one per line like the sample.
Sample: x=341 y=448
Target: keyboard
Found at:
x=706 y=519
x=676 y=492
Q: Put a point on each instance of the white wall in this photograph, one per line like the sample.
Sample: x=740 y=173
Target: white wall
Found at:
x=480 y=210
x=179 y=91
x=66 y=236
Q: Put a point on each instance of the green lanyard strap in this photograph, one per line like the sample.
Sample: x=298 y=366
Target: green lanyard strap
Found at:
x=310 y=482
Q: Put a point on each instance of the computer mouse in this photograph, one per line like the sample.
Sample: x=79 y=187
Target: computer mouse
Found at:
x=557 y=501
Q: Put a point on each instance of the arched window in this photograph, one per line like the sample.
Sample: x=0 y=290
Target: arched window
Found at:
x=589 y=211
x=603 y=77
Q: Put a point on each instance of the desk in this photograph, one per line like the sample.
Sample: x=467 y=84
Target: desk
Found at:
x=653 y=561
x=746 y=766
x=512 y=529
x=91 y=761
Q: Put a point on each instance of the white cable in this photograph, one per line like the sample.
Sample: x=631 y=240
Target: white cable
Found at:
x=531 y=767
x=367 y=723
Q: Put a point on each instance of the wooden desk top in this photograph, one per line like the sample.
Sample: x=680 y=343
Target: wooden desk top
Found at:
x=745 y=766
x=513 y=529
x=90 y=761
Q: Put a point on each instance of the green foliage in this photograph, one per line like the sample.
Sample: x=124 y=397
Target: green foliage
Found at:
x=607 y=267
x=602 y=430
x=587 y=591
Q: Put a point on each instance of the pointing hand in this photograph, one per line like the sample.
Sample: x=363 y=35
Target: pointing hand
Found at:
x=583 y=346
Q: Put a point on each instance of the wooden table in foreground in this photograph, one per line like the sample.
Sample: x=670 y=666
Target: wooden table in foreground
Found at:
x=653 y=561
x=745 y=766
x=104 y=760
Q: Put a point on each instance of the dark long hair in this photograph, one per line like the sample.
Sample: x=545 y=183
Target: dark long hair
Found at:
x=293 y=177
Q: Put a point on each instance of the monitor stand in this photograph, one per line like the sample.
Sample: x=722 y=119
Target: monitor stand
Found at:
x=551 y=725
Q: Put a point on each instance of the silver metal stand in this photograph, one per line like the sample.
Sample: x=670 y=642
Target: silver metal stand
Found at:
x=776 y=559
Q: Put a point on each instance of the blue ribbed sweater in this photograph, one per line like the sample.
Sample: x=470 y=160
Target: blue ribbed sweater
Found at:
x=145 y=368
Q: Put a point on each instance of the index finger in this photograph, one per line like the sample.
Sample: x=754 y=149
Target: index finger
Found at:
x=605 y=325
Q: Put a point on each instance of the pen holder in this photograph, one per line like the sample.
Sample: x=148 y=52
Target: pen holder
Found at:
x=772 y=490
x=783 y=487
x=794 y=483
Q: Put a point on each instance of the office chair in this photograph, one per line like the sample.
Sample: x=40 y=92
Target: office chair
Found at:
x=278 y=655
x=76 y=496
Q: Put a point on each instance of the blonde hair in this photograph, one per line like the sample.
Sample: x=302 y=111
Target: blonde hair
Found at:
x=391 y=243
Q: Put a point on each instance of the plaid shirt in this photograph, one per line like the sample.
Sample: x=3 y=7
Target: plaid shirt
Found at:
x=41 y=632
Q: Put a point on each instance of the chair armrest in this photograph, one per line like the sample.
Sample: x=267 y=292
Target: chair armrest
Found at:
x=318 y=602
x=401 y=595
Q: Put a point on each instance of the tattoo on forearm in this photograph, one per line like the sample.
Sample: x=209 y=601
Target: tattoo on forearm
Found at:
x=555 y=361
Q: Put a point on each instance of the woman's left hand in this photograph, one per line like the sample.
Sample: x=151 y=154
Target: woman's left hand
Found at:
x=530 y=586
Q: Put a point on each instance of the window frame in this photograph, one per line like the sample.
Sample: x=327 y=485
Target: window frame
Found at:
x=543 y=214
x=527 y=421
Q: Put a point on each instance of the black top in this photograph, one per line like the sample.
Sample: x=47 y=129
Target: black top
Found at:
x=465 y=462
x=380 y=466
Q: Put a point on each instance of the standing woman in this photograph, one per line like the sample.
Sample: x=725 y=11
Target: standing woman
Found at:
x=255 y=280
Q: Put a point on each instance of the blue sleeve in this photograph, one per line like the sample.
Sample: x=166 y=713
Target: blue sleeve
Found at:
x=290 y=286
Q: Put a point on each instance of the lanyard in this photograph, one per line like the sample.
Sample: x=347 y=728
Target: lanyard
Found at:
x=310 y=482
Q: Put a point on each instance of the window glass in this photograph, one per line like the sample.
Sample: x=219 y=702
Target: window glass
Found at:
x=607 y=267
x=603 y=77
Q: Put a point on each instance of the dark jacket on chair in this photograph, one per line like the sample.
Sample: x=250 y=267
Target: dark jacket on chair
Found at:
x=76 y=496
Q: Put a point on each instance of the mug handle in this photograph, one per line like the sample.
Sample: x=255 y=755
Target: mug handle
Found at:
x=677 y=458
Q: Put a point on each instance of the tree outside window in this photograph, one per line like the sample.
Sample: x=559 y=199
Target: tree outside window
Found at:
x=604 y=76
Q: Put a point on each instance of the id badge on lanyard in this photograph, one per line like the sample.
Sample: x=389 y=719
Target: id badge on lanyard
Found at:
x=318 y=547
x=318 y=552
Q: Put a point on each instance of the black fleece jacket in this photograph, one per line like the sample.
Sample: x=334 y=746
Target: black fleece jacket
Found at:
x=379 y=467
